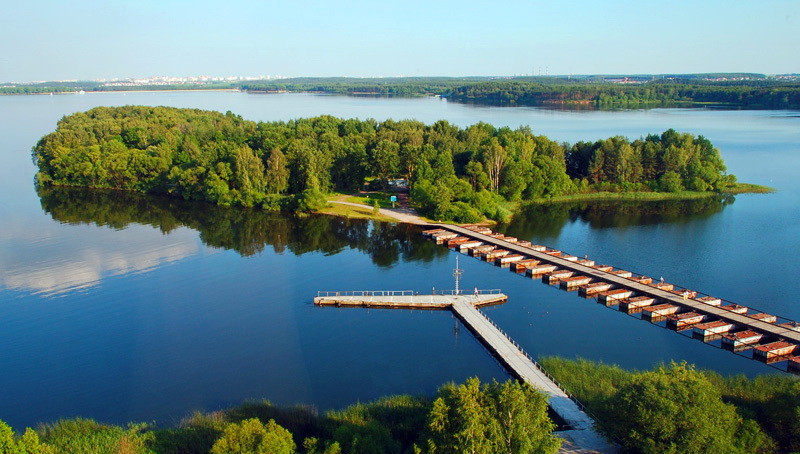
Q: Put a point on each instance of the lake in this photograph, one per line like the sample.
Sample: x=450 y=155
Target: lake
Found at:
x=123 y=307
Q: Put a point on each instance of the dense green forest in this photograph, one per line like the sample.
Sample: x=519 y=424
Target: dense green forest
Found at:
x=651 y=94
x=460 y=174
x=732 y=90
x=670 y=409
x=755 y=92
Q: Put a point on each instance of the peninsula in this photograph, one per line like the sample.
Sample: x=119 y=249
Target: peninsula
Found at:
x=454 y=174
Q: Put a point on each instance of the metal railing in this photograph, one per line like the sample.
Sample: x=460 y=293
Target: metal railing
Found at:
x=494 y=291
x=677 y=290
x=467 y=292
x=367 y=293
x=536 y=364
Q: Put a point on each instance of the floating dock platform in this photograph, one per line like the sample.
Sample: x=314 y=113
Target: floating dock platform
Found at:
x=582 y=436
x=717 y=317
x=407 y=299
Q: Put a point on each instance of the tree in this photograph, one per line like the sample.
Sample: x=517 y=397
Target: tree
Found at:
x=494 y=158
x=248 y=176
x=671 y=182
x=28 y=443
x=385 y=159
x=251 y=436
x=477 y=176
x=674 y=409
x=510 y=417
x=79 y=436
x=277 y=179
x=522 y=416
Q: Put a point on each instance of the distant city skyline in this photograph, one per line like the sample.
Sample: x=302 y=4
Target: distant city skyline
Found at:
x=88 y=40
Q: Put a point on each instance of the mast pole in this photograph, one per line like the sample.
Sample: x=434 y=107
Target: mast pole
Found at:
x=457 y=272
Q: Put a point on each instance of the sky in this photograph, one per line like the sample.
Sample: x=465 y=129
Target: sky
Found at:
x=87 y=39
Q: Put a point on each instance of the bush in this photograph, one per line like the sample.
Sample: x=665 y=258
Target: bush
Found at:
x=28 y=443
x=252 y=437
x=671 y=182
x=86 y=436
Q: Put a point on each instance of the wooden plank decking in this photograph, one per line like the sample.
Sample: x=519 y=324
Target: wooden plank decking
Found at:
x=583 y=437
x=407 y=300
x=640 y=288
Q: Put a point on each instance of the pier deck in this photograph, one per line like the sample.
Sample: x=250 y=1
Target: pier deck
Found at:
x=582 y=436
x=407 y=299
x=663 y=295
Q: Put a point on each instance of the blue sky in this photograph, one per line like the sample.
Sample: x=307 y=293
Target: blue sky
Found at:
x=82 y=39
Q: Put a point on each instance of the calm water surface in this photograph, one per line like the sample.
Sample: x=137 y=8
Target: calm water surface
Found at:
x=122 y=307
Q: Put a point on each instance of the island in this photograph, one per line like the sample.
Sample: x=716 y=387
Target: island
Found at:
x=453 y=174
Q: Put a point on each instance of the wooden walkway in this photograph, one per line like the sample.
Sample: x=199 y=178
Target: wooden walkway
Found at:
x=642 y=289
x=406 y=299
x=582 y=436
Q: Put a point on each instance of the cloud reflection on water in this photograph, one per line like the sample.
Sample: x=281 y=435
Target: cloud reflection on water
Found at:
x=53 y=260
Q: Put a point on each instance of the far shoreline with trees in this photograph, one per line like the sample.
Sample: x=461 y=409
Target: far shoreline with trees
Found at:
x=605 y=92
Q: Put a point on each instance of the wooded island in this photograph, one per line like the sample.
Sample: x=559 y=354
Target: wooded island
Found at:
x=458 y=174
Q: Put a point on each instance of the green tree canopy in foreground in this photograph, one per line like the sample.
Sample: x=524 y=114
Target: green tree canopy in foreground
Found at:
x=494 y=418
x=677 y=409
x=251 y=436
x=670 y=409
x=674 y=410
x=461 y=174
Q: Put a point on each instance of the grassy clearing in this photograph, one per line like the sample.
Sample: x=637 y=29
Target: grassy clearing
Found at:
x=747 y=188
x=350 y=211
x=738 y=188
x=368 y=198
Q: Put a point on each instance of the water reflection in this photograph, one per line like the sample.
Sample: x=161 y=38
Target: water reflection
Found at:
x=47 y=260
x=246 y=231
x=548 y=220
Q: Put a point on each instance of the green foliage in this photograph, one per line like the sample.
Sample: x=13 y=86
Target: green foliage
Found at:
x=670 y=182
x=311 y=199
x=764 y=94
x=388 y=425
x=86 y=436
x=28 y=443
x=679 y=409
x=672 y=410
x=251 y=436
x=313 y=445
x=510 y=417
x=223 y=159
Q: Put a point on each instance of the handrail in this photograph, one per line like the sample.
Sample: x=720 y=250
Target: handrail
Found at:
x=466 y=292
x=366 y=293
x=542 y=370
x=677 y=288
x=538 y=366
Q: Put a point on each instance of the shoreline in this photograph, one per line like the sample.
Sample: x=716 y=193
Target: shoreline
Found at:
x=403 y=215
x=48 y=93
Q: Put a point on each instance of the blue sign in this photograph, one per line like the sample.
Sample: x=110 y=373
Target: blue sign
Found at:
x=393 y=198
